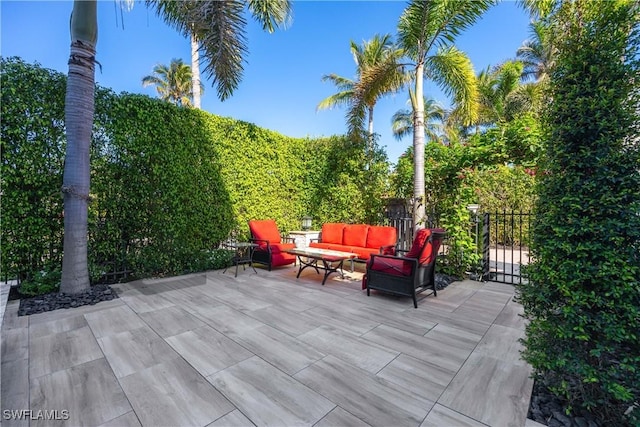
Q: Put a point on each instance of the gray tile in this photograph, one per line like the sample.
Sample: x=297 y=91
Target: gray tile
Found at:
x=207 y=350
x=172 y=394
x=281 y=298
x=232 y=419
x=343 y=318
x=283 y=351
x=352 y=349
x=85 y=309
x=268 y=397
x=426 y=379
x=502 y=342
x=14 y=388
x=226 y=320
x=490 y=390
x=11 y=319
x=289 y=322
x=340 y=417
x=398 y=320
x=56 y=326
x=442 y=416
x=511 y=316
x=15 y=344
x=135 y=350
x=145 y=303
x=89 y=392
x=371 y=399
x=127 y=420
x=170 y=321
x=113 y=321
x=447 y=356
x=456 y=337
x=55 y=352
x=238 y=300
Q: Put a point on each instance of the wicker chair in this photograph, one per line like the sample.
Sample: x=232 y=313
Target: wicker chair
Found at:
x=407 y=275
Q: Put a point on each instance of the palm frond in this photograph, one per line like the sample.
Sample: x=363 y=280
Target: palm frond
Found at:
x=272 y=14
x=402 y=124
x=452 y=70
x=427 y=24
x=219 y=26
x=336 y=100
x=342 y=83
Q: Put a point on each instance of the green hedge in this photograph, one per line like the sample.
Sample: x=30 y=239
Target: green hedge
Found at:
x=168 y=183
x=583 y=296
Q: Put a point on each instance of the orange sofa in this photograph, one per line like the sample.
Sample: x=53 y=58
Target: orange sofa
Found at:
x=361 y=239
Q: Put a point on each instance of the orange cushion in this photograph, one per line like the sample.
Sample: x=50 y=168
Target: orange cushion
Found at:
x=420 y=249
x=355 y=235
x=393 y=266
x=276 y=248
x=381 y=236
x=265 y=230
x=332 y=232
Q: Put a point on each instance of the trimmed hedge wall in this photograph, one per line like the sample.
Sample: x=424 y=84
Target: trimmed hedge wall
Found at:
x=168 y=183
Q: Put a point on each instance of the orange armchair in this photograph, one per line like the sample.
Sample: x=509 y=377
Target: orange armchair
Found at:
x=271 y=245
x=407 y=275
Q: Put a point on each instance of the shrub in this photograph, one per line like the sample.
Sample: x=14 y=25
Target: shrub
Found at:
x=583 y=296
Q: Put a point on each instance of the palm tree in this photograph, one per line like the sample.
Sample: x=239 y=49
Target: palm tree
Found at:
x=434 y=116
x=426 y=33
x=173 y=83
x=219 y=26
x=537 y=53
x=502 y=95
x=370 y=54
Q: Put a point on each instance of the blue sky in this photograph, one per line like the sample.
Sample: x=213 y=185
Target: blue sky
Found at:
x=282 y=83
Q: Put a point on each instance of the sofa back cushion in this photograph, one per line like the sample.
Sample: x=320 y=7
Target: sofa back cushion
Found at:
x=355 y=235
x=332 y=232
x=379 y=235
x=265 y=230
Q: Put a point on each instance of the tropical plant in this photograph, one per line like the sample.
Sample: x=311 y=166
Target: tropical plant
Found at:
x=502 y=96
x=173 y=83
x=370 y=54
x=582 y=302
x=537 y=53
x=219 y=26
x=435 y=116
x=426 y=33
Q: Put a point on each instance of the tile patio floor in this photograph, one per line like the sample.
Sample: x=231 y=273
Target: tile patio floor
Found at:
x=266 y=349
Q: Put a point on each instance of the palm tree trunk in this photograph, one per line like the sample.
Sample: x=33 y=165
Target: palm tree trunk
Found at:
x=79 y=108
x=195 y=71
x=369 y=147
x=418 y=152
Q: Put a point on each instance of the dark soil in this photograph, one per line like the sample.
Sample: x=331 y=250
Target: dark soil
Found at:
x=56 y=301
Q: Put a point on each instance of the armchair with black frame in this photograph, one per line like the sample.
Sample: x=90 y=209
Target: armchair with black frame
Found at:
x=407 y=275
x=271 y=245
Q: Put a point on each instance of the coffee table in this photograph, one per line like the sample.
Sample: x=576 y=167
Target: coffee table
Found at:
x=331 y=260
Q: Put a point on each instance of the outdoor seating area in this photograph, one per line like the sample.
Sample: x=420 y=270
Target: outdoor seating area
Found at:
x=269 y=349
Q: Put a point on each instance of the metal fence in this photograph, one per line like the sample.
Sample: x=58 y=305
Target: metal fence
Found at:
x=505 y=246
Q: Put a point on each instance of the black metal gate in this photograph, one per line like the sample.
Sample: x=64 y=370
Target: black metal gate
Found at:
x=505 y=246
